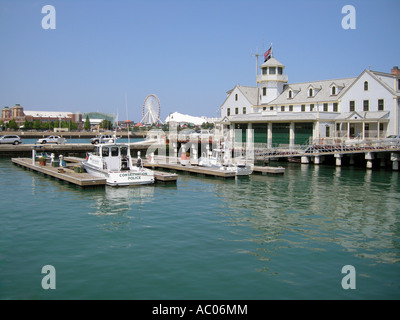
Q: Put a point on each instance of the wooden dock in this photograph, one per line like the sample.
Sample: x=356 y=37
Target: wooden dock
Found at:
x=268 y=170
x=158 y=175
x=65 y=174
x=191 y=169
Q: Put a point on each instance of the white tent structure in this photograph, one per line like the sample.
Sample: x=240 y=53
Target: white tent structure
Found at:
x=184 y=118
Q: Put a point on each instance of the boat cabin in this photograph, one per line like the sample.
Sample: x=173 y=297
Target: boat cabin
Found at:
x=115 y=157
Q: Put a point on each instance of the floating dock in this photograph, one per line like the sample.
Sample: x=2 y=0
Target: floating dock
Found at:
x=61 y=173
x=269 y=170
x=191 y=169
x=211 y=171
x=158 y=175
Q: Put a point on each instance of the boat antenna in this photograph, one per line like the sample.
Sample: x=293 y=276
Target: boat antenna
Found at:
x=127 y=117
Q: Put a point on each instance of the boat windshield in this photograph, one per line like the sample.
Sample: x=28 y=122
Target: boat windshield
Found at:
x=124 y=151
x=105 y=152
x=96 y=151
x=114 y=151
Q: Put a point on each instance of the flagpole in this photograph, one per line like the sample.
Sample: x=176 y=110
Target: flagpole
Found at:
x=272 y=55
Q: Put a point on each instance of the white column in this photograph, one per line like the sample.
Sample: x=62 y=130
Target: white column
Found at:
x=269 y=142
x=291 y=135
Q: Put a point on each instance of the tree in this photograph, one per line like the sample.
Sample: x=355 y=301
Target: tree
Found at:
x=28 y=125
x=86 y=125
x=106 y=124
x=12 y=124
x=36 y=125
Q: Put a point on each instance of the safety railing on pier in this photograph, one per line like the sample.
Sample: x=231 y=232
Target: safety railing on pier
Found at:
x=264 y=152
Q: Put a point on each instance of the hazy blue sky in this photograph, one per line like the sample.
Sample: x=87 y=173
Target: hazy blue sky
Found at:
x=188 y=53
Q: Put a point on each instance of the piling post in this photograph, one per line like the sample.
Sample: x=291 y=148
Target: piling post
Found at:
x=33 y=156
x=369 y=156
x=394 y=157
x=338 y=159
x=305 y=159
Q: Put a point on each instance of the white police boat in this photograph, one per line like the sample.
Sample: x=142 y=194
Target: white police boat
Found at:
x=113 y=161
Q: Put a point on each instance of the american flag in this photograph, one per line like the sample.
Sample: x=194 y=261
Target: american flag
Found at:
x=267 y=54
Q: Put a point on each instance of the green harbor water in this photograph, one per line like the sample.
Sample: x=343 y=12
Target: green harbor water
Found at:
x=260 y=237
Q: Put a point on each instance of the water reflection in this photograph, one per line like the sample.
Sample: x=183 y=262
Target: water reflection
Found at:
x=315 y=207
x=114 y=201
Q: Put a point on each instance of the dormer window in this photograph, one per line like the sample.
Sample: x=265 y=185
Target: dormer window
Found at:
x=366 y=86
x=290 y=95
x=310 y=92
x=333 y=91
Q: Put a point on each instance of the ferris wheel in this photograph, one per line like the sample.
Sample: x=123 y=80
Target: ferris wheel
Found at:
x=151 y=110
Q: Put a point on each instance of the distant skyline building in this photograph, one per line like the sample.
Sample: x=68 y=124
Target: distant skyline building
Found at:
x=283 y=113
x=20 y=115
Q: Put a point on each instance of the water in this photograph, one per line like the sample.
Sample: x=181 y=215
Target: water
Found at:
x=262 y=237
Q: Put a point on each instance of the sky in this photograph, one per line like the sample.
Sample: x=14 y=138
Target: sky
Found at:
x=108 y=56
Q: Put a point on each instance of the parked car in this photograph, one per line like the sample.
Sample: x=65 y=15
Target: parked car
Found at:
x=50 y=139
x=184 y=135
x=101 y=138
x=10 y=139
x=392 y=140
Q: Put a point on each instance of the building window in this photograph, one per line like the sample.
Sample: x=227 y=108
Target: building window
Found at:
x=381 y=105
x=312 y=106
x=333 y=91
x=398 y=84
x=236 y=110
x=244 y=110
x=303 y=108
x=291 y=108
x=264 y=70
x=264 y=108
x=381 y=127
x=352 y=106
x=335 y=107
x=236 y=97
x=272 y=70
x=264 y=91
x=228 y=112
x=327 y=131
x=325 y=107
x=280 y=70
x=283 y=108
x=366 y=105
x=271 y=108
x=290 y=94
x=366 y=86
x=310 y=92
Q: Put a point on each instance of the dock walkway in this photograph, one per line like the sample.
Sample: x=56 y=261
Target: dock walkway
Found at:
x=65 y=174
x=158 y=175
